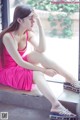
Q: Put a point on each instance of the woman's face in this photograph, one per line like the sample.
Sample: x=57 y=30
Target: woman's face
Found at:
x=28 y=21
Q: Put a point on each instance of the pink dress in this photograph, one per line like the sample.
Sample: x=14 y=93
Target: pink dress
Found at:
x=13 y=75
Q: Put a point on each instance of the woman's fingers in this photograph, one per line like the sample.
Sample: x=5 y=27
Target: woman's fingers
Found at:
x=50 y=72
x=35 y=13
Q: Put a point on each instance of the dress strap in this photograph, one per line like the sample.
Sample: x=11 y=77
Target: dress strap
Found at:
x=11 y=35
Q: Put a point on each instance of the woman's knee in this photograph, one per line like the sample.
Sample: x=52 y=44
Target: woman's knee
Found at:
x=37 y=75
x=33 y=57
x=36 y=54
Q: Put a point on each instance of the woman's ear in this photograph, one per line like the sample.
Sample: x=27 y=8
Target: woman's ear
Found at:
x=19 y=20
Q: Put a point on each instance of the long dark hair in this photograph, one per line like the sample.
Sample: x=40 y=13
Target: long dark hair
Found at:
x=20 y=11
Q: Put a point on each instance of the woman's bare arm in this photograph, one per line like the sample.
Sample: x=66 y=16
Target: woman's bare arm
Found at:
x=41 y=46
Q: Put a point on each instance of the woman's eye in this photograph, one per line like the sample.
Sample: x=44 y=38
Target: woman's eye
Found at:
x=30 y=18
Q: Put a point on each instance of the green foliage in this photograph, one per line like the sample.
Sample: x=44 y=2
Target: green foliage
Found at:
x=60 y=17
x=47 y=5
x=67 y=22
x=52 y=20
x=70 y=8
x=53 y=33
x=67 y=32
x=64 y=19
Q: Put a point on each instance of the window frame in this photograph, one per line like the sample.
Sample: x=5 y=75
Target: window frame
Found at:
x=5 y=9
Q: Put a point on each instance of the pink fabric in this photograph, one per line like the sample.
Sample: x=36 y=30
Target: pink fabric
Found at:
x=15 y=76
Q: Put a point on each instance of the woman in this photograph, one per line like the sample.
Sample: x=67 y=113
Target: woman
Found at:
x=21 y=71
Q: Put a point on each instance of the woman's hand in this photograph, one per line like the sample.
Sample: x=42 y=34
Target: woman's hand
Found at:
x=50 y=72
x=35 y=14
x=36 y=17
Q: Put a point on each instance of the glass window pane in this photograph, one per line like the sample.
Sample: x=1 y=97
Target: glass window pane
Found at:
x=61 y=29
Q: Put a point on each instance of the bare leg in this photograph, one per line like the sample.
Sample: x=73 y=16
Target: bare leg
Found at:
x=36 y=57
x=39 y=79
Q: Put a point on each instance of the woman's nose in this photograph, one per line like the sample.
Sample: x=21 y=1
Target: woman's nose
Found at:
x=33 y=20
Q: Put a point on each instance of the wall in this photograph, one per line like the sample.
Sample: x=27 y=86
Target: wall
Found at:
x=46 y=25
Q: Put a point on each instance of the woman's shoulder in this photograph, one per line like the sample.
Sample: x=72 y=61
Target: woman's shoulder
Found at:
x=6 y=35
